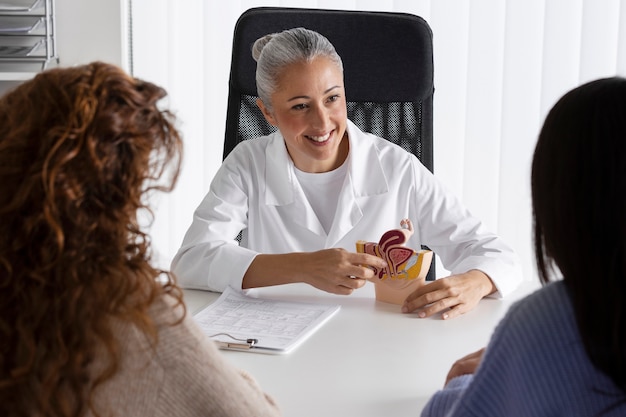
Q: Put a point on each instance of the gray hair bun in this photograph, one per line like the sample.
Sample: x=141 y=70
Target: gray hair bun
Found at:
x=259 y=44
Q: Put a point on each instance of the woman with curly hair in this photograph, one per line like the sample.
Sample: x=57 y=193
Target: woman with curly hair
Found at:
x=87 y=326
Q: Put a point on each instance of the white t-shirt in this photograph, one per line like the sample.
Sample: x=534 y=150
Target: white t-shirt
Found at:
x=322 y=190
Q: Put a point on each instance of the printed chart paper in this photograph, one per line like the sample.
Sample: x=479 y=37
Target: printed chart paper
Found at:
x=277 y=326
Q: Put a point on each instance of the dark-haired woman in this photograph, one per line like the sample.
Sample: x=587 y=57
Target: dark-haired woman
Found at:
x=562 y=350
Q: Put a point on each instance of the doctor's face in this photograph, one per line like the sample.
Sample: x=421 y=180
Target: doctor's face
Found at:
x=309 y=109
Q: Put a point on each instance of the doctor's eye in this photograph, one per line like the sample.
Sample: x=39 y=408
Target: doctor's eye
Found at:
x=300 y=106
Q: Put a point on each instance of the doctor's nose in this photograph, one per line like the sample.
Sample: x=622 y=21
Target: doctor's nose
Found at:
x=319 y=118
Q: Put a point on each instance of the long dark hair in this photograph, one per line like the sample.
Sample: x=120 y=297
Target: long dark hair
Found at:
x=79 y=149
x=579 y=209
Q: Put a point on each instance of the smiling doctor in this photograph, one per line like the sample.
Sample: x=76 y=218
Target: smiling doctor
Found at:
x=306 y=194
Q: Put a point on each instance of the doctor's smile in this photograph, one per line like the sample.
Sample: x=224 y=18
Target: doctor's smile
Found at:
x=319 y=139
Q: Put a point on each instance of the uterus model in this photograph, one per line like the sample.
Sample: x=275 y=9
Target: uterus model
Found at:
x=406 y=268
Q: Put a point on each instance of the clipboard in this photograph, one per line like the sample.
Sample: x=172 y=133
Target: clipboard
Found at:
x=237 y=343
x=236 y=321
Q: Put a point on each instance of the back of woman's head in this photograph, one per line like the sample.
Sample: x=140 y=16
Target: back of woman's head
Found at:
x=579 y=208
x=79 y=149
x=276 y=51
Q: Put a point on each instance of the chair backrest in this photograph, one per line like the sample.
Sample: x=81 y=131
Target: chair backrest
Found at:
x=388 y=69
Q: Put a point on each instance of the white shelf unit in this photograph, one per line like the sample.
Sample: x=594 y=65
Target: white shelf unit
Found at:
x=27 y=38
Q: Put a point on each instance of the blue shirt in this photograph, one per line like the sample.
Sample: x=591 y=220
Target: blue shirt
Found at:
x=535 y=365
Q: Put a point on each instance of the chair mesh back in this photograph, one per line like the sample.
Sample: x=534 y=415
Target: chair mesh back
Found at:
x=252 y=123
x=400 y=123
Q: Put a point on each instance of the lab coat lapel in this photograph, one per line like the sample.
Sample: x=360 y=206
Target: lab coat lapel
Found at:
x=347 y=215
x=284 y=191
x=365 y=178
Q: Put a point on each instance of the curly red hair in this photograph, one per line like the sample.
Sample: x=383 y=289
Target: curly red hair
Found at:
x=79 y=149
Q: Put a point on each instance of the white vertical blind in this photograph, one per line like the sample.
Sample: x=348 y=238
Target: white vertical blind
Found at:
x=499 y=67
x=483 y=85
x=450 y=100
x=520 y=120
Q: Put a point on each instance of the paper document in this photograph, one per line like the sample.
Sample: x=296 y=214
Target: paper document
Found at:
x=238 y=321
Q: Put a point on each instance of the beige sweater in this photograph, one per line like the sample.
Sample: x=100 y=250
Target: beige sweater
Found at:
x=186 y=376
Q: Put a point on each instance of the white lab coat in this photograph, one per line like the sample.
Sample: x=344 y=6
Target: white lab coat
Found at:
x=256 y=190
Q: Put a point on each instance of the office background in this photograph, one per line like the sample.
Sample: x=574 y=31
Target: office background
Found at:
x=499 y=66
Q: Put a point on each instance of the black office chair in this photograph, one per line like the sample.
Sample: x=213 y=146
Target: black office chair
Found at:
x=388 y=67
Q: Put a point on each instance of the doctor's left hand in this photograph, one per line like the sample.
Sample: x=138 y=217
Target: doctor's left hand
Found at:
x=452 y=296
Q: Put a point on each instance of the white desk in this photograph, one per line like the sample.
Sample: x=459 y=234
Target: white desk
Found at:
x=369 y=359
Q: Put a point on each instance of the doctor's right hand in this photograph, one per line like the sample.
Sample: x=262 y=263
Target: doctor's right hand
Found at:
x=334 y=270
x=338 y=271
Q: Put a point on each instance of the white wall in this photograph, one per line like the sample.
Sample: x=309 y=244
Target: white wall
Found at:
x=92 y=30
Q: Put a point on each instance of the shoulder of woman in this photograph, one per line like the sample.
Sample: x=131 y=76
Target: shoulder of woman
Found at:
x=177 y=328
x=547 y=313
x=550 y=299
x=252 y=148
x=365 y=140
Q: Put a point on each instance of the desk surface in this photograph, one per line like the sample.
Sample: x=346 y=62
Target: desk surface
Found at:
x=369 y=359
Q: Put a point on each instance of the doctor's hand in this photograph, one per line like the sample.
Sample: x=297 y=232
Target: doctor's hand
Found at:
x=334 y=270
x=338 y=271
x=453 y=295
